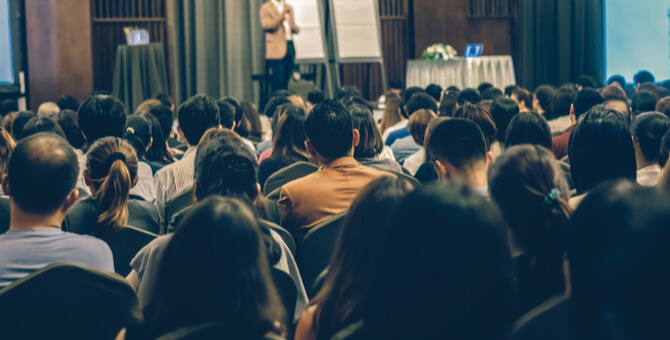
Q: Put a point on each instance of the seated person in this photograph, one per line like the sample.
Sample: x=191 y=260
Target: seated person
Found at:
x=648 y=130
x=111 y=173
x=418 y=124
x=583 y=102
x=371 y=151
x=404 y=145
x=331 y=141
x=161 y=120
x=481 y=115
x=399 y=129
x=138 y=134
x=560 y=108
x=40 y=182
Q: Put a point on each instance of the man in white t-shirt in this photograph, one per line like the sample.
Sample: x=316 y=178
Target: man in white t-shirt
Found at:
x=278 y=21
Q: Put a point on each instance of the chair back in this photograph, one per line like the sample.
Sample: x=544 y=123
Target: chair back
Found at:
x=288 y=293
x=415 y=182
x=549 y=321
x=288 y=174
x=64 y=301
x=210 y=330
x=283 y=233
x=177 y=204
x=351 y=332
x=125 y=244
x=317 y=247
x=4 y=214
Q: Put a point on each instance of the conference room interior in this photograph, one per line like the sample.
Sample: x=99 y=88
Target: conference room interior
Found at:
x=334 y=169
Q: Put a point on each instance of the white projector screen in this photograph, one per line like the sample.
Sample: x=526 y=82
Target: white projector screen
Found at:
x=6 y=61
x=357 y=26
x=309 y=44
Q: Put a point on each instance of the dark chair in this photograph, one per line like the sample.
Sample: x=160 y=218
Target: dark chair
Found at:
x=288 y=174
x=352 y=332
x=125 y=244
x=319 y=281
x=317 y=247
x=283 y=233
x=210 y=330
x=177 y=204
x=63 y=301
x=548 y=321
x=415 y=182
x=288 y=293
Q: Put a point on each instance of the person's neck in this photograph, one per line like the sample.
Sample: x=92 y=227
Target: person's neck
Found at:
x=643 y=163
x=475 y=175
x=21 y=220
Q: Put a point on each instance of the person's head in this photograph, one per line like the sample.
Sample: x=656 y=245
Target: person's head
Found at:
x=395 y=86
x=454 y=263
x=617 y=80
x=101 y=116
x=509 y=89
x=618 y=247
x=157 y=151
x=648 y=130
x=67 y=120
x=528 y=128
x=288 y=143
x=48 y=110
x=346 y=91
x=196 y=115
x=523 y=98
x=42 y=124
x=503 y=109
x=613 y=92
x=585 y=100
x=314 y=97
x=418 y=123
x=563 y=98
x=111 y=171
x=22 y=118
x=601 y=149
x=663 y=106
x=434 y=91
x=471 y=96
x=147 y=105
x=41 y=176
x=448 y=104
x=420 y=101
x=238 y=292
x=254 y=120
x=138 y=134
x=165 y=100
x=482 y=117
x=458 y=147
x=586 y=81
x=351 y=253
x=621 y=106
x=7 y=106
x=392 y=114
x=492 y=93
x=483 y=87
x=642 y=77
x=644 y=101
x=165 y=118
x=272 y=105
x=330 y=131
x=227 y=114
x=542 y=99
x=370 y=143
x=240 y=127
x=409 y=93
x=7 y=145
x=8 y=120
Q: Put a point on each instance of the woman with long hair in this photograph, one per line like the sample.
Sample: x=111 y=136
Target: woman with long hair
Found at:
x=158 y=154
x=392 y=115
x=371 y=151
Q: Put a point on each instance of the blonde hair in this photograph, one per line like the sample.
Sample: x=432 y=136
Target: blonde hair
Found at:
x=112 y=166
x=7 y=145
x=296 y=100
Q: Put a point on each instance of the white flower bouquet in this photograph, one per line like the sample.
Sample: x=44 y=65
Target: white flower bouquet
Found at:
x=438 y=51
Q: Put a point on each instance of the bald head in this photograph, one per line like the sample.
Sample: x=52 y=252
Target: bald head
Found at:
x=42 y=171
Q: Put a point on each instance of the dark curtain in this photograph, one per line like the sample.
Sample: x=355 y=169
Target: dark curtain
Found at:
x=560 y=40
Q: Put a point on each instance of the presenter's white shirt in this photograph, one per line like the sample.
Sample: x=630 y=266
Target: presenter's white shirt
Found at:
x=287 y=28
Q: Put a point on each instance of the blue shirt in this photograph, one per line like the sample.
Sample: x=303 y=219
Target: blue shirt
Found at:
x=25 y=251
x=395 y=135
x=403 y=148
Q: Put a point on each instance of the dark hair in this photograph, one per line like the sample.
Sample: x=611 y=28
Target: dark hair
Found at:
x=643 y=77
x=448 y=104
x=101 y=116
x=545 y=96
x=453 y=263
x=509 y=89
x=585 y=100
x=503 y=110
x=644 y=101
x=418 y=124
x=600 y=149
x=482 y=117
x=563 y=98
x=528 y=128
x=621 y=106
x=240 y=127
x=67 y=119
x=42 y=171
x=272 y=105
x=613 y=92
x=111 y=163
x=158 y=151
x=347 y=91
x=329 y=128
x=586 y=81
x=138 y=134
x=7 y=106
x=41 y=124
x=492 y=93
x=288 y=142
x=395 y=84
x=619 y=239
x=457 y=141
x=227 y=114
x=420 y=101
x=337 y=301
x=529 y=186
x=409 y=93
x=523 y=95
x=483 y=87
x=315 y=96
x=471 y=96
x=370 y=144
x=617 y=79
x=664 y=153
x=165 y=99
x=165 y=118
x=251 y=115
x=238 y=293
x=663 y=106
x=22 y=118
x=434 y=91
x=648 y=130
x=196 y=115
x=68 y=103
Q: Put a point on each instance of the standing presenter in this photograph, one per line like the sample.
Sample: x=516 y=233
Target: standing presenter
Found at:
x=278 y=21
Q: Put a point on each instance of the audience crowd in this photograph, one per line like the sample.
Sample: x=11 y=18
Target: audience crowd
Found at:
x=433 y=214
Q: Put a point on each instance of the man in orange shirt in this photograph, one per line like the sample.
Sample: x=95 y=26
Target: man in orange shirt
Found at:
x=278 y=21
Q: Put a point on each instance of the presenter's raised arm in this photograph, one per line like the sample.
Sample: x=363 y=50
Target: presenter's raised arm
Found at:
x=271 y=19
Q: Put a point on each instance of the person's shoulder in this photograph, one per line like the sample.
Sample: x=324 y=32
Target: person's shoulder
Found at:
x=86 y=243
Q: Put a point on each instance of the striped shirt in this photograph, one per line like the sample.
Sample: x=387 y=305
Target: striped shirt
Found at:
x=171 y=180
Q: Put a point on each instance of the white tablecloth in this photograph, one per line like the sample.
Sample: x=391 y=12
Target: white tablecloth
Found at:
x=462 y=72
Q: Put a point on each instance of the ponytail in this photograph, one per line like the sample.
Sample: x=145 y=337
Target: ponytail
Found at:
x=112 y=198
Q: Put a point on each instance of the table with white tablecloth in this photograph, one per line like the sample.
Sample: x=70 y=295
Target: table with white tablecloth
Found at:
x=462 y=72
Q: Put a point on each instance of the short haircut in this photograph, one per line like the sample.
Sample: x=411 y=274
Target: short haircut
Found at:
x=563 y=98
x=395 y=84
x=420 y=101
x=663 y=106
x=457 y=141
x=471 y=96
x=649 y=129
x=643 y=77
x=621 y=106
x=509 y=89
x=448 y=104
x=492 y=93
x=329 y=128
x=503 y=110
x=164 y=98
x=434 y=91
x=528 y=128
x=7 y=106
x=272 y=105
x=196 y=115
x=523 y=95
x=410 y=92
x=227 y=114
x=613 y=92
x=165 y=118
x=67 y=119
x=68 y=103
x=545 y=96
x=644 y=101
x=42 y=171
x=586 y=81
x=585 y=100
x=101 y=116
x=346 y=91
x=42 y=124
x=483 y=87
x=601 y=149
x=619 y=79
x=20 y=121
x=239 y=110
x=482 y=117
x=315 y=96
x=418 y=123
